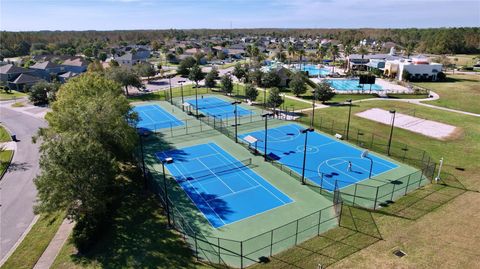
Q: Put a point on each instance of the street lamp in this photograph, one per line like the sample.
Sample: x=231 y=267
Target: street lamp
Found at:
x=265 y=97
x=170 y=86
x=167 y=204
x=181 y=91
x=313 y=108
x=391 y=131
x=349 y=113
x=305 y=131
x=266 y=115
x=236 y=124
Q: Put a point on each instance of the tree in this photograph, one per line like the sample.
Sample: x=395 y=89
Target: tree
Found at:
x=270 y=79
x=363 y=51
x=89 y=134
x=227 y=84
x=113 y=63
x=221 y=55
x=298 y=85
x=43 y=92
x=170 y=57
x=155 y=45
x=95 y=66
x=406 y=76
x=210 y=79
x=255 y=76
x=251 y=92
x=274 y=99
x=124 y=77
x=102 y=56
x=324 y=92
x=347 y=51
x=333 y=52
x=179 y=50
x=185 y=65
x=239 y=72
x=145 y=70
x=196 y=74
x=281 y=56
x=291 y=51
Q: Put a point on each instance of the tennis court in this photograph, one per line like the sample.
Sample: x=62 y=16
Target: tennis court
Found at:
x=327 y=159
x=223 y=188
x=153 y=117
x=217 y=107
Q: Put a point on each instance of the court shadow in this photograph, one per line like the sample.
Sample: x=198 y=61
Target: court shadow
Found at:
x=425 y=199
x=357 y=230
x=138 y=236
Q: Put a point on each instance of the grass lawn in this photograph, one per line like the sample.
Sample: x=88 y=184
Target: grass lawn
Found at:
x=138 y=238
x=5 y=157
x=289 y=103
x=11 y=95
x=460 y=92
x=434 y=212
x=463 y=59
x=35 y=243
x=4 y=135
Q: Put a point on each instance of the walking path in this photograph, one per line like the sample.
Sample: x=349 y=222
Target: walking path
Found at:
x=54 y=247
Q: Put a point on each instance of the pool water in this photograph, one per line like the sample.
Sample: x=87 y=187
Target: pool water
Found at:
x=314 y=70
x=352 y=85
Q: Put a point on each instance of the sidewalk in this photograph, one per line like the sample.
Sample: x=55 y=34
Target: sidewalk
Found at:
x=54 y=247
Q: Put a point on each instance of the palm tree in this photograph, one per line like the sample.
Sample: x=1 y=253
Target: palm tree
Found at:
x=321 y=53
x=362 y=51
x=347 y=51
x=333 y=51
x=291 y=51
x=301 y=53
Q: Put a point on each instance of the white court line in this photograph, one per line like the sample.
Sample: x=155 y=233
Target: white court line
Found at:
x=233 y=193
x=193 y=201
x=254 y=179
x=162 y=111
x=214 y=174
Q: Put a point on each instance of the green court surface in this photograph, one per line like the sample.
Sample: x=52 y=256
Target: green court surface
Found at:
x=244 y=242
x=261 y=235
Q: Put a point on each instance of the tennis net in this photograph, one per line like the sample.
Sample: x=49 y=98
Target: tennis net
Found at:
x=211 y=172
x=209 y=105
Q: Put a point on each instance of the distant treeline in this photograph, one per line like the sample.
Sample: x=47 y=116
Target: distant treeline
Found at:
x=433 y=40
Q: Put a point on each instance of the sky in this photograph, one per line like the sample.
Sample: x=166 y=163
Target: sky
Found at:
x=33 y=15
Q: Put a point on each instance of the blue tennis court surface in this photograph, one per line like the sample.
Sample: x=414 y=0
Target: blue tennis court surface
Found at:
x=217 y=107
x=224 y=189
x=327 y=158
x=153 y=117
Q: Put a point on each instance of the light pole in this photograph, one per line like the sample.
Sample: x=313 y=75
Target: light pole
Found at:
x=313 y=108
x=305 y=131
x=391 y=131
x=196 y=102
x=167 y=204
x=265 y=97
x=266 y=115
x=236 y=123
x=349 y=113
x=181 y=92
x=170 y=86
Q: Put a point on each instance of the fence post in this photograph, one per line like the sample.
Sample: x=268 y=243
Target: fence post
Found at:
x=355 y=193
x=393 y=191
x=196 y=245
x=186 y=126
x=319 y=221
x=241 y=254
x=296 y=234
x=376 y=197
x=171 y=130
x=408 y=183
x=271 y=243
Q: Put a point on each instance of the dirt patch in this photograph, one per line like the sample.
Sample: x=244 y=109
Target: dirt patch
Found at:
x=434 y=129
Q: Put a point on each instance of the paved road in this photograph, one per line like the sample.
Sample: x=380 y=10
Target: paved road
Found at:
x=17 y=190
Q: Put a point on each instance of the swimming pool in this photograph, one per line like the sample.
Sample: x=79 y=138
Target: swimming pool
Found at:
x=314 y=70
x=352 y=85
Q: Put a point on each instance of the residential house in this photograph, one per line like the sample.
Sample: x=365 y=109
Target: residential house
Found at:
x=75 y=65
x=24 y=82
x=47 y=70
x=10 y=72
x=130 y=59
x=66 y=76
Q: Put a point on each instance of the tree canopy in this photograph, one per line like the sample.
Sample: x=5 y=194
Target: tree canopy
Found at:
x=227 y=84
x=89 y=133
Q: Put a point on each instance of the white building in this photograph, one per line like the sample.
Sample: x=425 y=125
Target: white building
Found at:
x=419 y=68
